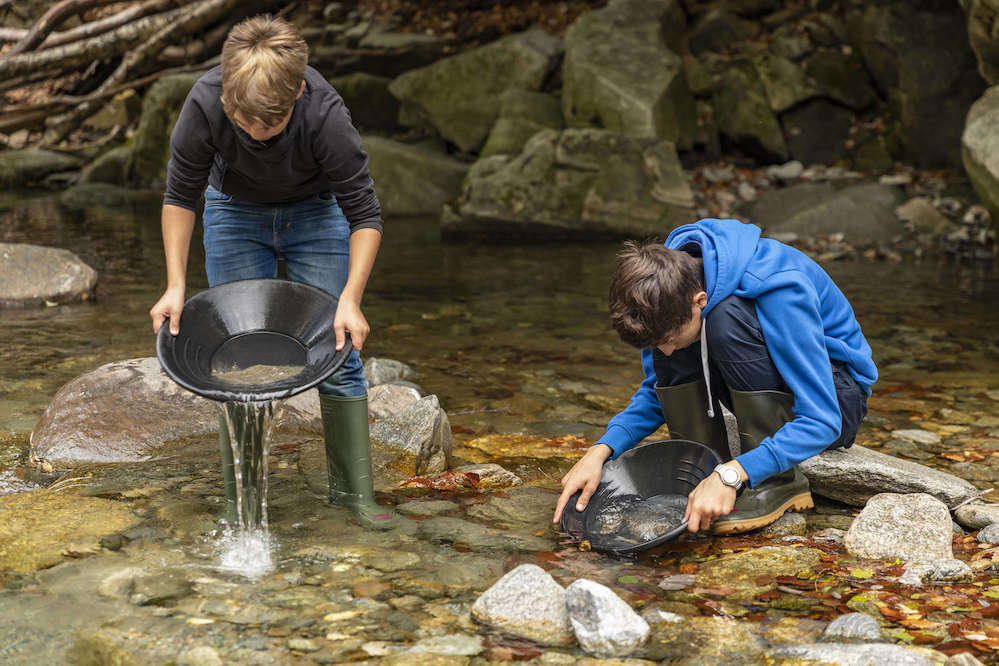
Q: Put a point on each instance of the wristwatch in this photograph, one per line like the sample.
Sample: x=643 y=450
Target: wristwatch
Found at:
x=730 y=476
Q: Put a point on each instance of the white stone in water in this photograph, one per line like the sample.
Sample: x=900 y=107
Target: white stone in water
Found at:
x=455 y=644
x=846 y=654
x=944 y=571
x=526 y=602
x=201 y=655
x=853 y=627
x=385 y=371
x=914 y=527
x=976 y=515
x=605 y=625
x=918 y=436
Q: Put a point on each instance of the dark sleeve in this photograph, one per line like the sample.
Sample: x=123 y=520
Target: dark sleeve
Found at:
x=337 y=147
x=191 y=156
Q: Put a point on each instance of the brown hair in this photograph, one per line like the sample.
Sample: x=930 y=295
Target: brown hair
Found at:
x=263 y=66
x=651 y=292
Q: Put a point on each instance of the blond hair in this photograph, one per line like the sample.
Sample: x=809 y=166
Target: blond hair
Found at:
x=263 y=66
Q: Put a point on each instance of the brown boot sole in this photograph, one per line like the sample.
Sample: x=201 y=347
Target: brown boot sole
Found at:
x=801 y=502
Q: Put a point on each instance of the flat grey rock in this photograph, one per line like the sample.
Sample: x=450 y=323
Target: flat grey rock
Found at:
x=527 y=602
x=853 y=627
x=32 y=275
x=914 y=527
x=843 y=654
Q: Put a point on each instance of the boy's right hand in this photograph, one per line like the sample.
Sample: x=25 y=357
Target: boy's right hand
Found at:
x=585 y=476
x=169 y=306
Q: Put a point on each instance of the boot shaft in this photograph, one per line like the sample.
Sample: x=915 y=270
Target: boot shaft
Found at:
x=685 y=408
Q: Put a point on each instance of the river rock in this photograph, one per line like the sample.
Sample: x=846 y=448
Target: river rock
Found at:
x=388 y=399
x=121 y=412
x=89 y=195
x=200 y=655
x=32 y=275
x=619 y=74
x=930 y=87
x=914 y=527
x=854 y=475
x=455 y=644
x=385 y=371
x=863 y=213
x=422 y=430
x=743 y=115
x=147 y=161
x=976 y=515
x=457 y=95
x=783 y=80
x=525 y=509
x=937 y=571
x=980 y=149
x=853 y=627
x=39 y=527
x=24 y=167
x=744 y=570
x=372 y=107
x=579 y=183
x=989 y=534
x=522 y=115
x=847 y=654
x=491 y=475
x=817 y=131
x=604 y=624
x=840 y=77
x=527 y=602
x=790 y=524
x=983 y=26
x=412 y=180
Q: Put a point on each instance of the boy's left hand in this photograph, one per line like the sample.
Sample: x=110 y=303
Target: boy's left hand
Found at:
x=708 y=501
x=350 y=318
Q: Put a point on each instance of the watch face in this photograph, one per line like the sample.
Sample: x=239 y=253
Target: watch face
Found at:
x=729 y=476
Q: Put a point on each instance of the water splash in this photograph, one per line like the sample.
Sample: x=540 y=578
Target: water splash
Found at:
x=246 y=547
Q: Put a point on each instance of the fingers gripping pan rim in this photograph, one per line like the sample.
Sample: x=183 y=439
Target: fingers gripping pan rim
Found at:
x=659 y=468
x=249 y=322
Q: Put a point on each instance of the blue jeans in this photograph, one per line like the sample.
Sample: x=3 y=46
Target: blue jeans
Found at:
x=244 y=240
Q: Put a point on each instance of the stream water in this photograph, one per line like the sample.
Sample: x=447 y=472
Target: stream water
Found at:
x=515 y=343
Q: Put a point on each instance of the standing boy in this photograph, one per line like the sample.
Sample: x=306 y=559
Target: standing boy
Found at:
x=721 y=314
x=286 y=178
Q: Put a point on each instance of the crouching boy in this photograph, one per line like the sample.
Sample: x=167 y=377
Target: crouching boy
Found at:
x=723 y=315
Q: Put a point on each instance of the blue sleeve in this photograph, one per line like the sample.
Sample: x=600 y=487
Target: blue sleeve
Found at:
x=792 y=326
x=640 y=418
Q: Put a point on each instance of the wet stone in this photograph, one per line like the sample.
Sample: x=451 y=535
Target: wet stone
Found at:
x=201 y=655
x=989 y=534
x=937 y=571
x=742 y=570
x=914 y=527
x=478 y=538
x=852 y=627
x=527 y=509
x=527 y=602
x=302 y=645
x=976 y=515
x=918 y=436
x=455 y=644
x=904 y=447
x=604 y=624
x=842 y=653
x=638 y=520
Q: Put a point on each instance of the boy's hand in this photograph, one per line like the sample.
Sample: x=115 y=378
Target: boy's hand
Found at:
x=585 y=475
x=350 y=318
x=170 y=305
x=708 y=501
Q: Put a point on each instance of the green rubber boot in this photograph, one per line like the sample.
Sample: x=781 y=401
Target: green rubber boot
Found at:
x=348 y=460
x=685 y=409
x=760 y=414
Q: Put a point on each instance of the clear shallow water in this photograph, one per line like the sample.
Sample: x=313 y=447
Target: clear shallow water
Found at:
x=512 y=339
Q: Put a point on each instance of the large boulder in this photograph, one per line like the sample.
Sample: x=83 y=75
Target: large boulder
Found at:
x=372 y=107
x=131 y=411
x=35 y=275
x=522 y=115
x=744 y=116
x=930 y=87
x=619 y=74
x=863 y=213
x=147 y=160
x=25 y=167
x=983 y=26
x=980 y=149
x=854 y=475
x=577 y=183
x=457 y=95
x=914 y=527
x=411 y=180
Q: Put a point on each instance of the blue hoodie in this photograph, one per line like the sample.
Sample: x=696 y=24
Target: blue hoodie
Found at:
x=805 y=320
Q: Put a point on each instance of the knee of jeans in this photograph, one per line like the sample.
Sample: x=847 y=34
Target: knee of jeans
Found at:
x=348 y=381
x=728 y=316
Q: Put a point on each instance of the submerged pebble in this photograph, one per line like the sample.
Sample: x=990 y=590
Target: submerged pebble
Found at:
x=638 y=520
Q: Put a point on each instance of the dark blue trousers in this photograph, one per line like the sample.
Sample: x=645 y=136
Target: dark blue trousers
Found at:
x=738 y=359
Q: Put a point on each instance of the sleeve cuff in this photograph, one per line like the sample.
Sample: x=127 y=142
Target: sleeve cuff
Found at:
x=618 y=439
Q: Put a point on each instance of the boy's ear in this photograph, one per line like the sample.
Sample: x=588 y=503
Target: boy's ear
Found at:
x=701 y=299
x=301 y=89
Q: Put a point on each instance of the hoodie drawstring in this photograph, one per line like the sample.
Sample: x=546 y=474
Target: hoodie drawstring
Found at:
x=704 y=366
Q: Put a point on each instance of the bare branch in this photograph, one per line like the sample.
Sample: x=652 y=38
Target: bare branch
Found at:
x=55 y=15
